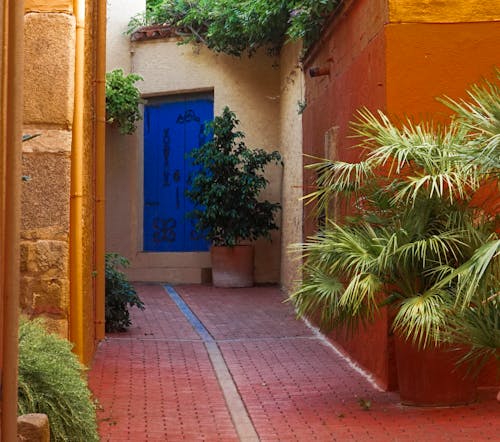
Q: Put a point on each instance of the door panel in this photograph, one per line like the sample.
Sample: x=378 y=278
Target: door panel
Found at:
x=171 y=130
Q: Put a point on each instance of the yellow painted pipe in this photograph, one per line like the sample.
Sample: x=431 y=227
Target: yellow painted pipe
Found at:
x=12 y=105
x=76 y=204
x=100 y=167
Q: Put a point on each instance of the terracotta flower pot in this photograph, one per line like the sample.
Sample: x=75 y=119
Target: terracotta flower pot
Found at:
x=232 y=266
x=430 y=377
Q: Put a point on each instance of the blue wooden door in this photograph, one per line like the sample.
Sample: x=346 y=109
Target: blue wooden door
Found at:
x=172 y=128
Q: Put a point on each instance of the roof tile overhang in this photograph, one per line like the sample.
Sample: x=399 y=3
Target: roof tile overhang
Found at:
x=154 y=32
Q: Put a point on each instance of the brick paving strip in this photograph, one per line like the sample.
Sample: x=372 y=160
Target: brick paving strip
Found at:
x=163 y=380
x=239 y=415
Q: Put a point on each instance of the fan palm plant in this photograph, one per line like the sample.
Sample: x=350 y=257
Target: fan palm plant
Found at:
x=478 y=323
x=414 y=238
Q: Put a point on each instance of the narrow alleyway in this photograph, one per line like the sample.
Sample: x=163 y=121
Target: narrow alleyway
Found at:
x=205 y=364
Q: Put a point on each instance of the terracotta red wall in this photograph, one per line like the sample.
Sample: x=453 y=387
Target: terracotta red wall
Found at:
x=354 y=49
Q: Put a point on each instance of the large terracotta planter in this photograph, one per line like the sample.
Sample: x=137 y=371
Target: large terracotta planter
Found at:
x=232 y=266
x=430 y=378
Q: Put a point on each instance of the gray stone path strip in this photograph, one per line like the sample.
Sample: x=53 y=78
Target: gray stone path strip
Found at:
x=239 y=415
x=190 y=316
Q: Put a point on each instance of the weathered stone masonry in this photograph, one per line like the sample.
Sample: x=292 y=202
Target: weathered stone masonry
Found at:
x=48 y=111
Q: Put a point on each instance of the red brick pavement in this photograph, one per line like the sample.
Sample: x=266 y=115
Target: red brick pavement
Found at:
x=160 y=320
x=253 y=313
x=156 y=383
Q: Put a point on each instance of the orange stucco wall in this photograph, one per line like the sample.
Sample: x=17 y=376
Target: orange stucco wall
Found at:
x=397 y=56
x=443 y=11
x=440 y=49
x=48 y=5
x=425 y=61
x=354 y=51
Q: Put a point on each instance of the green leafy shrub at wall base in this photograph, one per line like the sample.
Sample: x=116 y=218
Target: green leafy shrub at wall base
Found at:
x=120 y=294
x=52 y=381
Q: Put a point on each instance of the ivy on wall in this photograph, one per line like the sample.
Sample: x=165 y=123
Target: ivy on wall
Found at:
x=238 y=26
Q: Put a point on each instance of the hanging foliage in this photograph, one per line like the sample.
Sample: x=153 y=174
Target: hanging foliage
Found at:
x=238 y=26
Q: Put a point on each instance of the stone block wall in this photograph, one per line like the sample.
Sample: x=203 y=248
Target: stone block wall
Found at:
x=33 y=428
x=48 y=111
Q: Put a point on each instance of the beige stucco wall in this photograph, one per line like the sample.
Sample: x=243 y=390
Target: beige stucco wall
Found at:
x=122 y=192
x=291 y=94
x=48 y=111
x=118 y=44
x=251 y=88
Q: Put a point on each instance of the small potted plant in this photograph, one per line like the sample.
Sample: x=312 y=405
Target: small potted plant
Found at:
x=225 y=192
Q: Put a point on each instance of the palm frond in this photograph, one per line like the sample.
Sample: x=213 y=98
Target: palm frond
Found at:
x=318 y=297
x=426 y=252
x=480 y=274
x=478 y=329
x=337 y=178
x=421 y=319
x=344 y=249
x=360 y=296
x=482 y=112
x=447 y=185
x=481 y=116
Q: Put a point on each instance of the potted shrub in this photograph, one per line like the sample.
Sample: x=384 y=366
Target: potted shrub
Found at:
x=410 y=242
x=225 y=192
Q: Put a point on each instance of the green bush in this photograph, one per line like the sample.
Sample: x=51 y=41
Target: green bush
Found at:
x=51 y=381
x=119 y=294
x=122 y=100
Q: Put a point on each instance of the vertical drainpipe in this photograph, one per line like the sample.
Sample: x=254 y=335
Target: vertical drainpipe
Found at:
x=12 y=74
x=100 y=167
x=76 y=204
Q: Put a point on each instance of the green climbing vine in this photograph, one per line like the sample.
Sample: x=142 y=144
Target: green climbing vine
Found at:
x=238 y=26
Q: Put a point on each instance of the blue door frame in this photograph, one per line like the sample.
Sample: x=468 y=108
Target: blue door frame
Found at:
x=173 y=126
